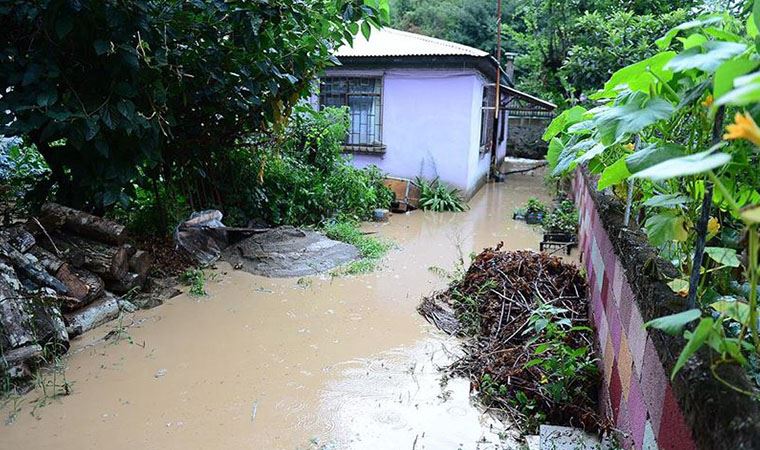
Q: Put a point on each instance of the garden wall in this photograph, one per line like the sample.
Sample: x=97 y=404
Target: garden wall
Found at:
x=627 y=288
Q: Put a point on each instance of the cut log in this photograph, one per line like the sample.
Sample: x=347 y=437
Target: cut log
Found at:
x=15 y=323
x=141 y=263
x=83 y=285
x=131 y=281
x=49 y=261
x=19 y=238
x=32 y=269
x=20 y=355
x=97 y=313
x=56 y=216
x=49 y=326
x=108 y=262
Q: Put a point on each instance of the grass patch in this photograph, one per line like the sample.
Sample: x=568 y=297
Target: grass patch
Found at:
x=371 y=248
x=196 y=279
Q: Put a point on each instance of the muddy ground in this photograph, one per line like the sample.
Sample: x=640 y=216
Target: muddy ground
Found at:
x=297 y=363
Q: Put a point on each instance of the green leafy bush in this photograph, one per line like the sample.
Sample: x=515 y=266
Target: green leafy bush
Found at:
x=147 y=90
x=22 y=174
x=436 y=196
x=675 y=136
x=535 y=206
x=564 y=219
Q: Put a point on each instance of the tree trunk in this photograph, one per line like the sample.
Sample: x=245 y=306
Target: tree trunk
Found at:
x=15 y=322
x=19 y=238
x=84 y=286
x=108 y=262
x=97 y=313
x=49 y=261
x=84 y=224
x=141 y=263
x=32 y=269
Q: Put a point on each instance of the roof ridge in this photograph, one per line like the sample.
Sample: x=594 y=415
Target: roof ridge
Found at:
x=431 y=39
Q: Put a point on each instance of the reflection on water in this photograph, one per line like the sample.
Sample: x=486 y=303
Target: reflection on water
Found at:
x=282 y=364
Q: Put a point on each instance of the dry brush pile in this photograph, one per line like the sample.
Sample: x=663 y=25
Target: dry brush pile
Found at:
x=531 y=348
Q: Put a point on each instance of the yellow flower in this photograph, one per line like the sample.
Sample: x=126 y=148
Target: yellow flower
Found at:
x=713 y=226
x=708 y=101
x=744 y=127
x=544 y=380
x=629 y=146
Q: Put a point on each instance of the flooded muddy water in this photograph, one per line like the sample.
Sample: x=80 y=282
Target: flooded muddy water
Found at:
x=308 y=363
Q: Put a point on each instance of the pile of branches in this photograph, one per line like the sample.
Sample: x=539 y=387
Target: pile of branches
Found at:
x=531 y=348
x=62 y=273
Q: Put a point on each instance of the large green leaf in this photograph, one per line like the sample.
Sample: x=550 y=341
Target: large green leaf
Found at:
x=694 y=343
x=685 y=165
x=652 y=155
x=555 y=150
x=665 y=227
x=736 y=310
x=639 y=76
x=560 y=123
x=729 y=71
x=665 y=41
x=723 y=256
x=613 y=174
x=674 y=323
x=747 y=91
x=751 y=215
x=666 y=200
x=632 y=112
x=707 y=57
x=592 y=153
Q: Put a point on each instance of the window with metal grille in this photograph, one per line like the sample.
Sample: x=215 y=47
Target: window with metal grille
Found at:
x=487 y=118
x=363 y=96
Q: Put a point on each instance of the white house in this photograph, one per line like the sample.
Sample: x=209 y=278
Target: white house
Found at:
x=421 y=106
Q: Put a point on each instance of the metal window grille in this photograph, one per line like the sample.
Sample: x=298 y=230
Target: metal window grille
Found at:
x=363 y=97
x=487 y=118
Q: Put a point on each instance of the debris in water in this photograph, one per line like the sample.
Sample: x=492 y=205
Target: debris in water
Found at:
x=289 y=252
x=533 y=349
x=160 y=373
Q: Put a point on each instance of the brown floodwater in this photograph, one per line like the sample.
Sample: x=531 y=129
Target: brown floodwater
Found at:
x=313 y=363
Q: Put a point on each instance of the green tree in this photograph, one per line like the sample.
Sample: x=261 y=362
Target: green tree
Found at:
x=114 y=91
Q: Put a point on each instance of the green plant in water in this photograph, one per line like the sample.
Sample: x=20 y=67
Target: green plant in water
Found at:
x=535 y=206
x=436 y=196
x=371 y=249
x=196 y=279
x=564 y=219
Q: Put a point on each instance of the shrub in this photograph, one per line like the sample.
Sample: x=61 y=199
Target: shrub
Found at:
x=22 y=171
x=564 y=219
x=436 y=196
x=535 y=206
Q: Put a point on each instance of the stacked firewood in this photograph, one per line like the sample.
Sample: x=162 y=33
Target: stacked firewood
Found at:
x=61 y=274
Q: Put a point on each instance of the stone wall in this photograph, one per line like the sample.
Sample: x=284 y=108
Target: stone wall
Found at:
x=627 y=289
x=525 y=137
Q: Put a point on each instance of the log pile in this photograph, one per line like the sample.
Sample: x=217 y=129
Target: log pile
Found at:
x=60 y=274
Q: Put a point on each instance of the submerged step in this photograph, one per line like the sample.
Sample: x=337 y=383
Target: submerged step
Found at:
x=567 y=438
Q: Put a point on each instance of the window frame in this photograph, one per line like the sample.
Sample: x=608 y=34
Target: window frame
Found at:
x=487 y=119
x=366 y=147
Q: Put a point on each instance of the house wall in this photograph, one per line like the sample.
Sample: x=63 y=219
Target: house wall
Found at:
x=430 y=125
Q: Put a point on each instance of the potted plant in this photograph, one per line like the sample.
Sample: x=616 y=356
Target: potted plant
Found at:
x=533 y=212
x=562 y=224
